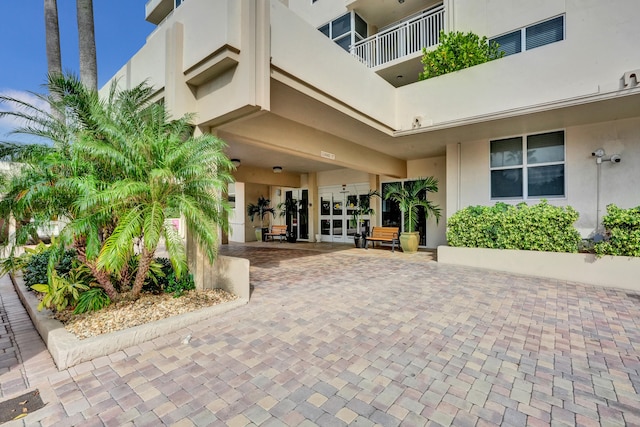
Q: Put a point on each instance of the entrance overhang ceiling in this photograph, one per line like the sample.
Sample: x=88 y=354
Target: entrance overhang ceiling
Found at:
x=292 y=109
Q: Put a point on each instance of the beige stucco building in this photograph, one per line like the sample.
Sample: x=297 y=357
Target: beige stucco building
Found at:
x=327 y=91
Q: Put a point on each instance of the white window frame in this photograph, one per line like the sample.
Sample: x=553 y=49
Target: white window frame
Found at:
x=524 y=166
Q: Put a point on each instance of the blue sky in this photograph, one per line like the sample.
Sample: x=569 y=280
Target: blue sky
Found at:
x=120 y=32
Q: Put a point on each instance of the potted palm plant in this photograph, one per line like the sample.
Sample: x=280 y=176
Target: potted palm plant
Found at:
x=363 y=208
x=410 y=196
x=260 y=209
x=288 y=209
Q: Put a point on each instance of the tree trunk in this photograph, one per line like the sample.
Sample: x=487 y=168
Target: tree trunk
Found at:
x=52 y=35
x=146 y=257
x=103 y=278
x=52 y=40
x=87 y=44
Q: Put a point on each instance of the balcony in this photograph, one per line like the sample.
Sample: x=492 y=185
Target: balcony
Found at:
x=401 y=40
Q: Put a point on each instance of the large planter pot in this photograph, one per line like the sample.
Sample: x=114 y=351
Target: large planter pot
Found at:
x=258 y=231
x=409 y=241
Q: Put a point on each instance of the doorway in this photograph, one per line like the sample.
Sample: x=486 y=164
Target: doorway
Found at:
x=298 y=222
x=337 y=206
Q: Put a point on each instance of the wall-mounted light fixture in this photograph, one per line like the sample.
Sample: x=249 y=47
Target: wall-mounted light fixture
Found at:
x=235 y=163
x=400 y=1
x=277 y=169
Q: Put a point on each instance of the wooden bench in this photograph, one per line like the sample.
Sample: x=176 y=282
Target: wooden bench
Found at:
x=276 y=230
x=383 y=234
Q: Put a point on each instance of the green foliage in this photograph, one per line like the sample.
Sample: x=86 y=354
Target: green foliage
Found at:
x=457 y=51
x=260 y=209
x=622 y=235
x=114 y=167
x=178 y=286
x=37 y=267
x=93 y=299
x=363 y=208
x=61 y=292
x=540 y=227
x=19 y=263
x=158 y=278
x=412 y=195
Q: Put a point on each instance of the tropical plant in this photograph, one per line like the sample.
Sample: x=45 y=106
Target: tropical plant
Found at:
x=39 y=264
x=61 y=291
x=115 y=167
x=179 y=285
x=87 y=44
x=93 y=299
x=260 y=209
x=457 y=51
x=289 y=209
x=412 y=195
x=363 y=208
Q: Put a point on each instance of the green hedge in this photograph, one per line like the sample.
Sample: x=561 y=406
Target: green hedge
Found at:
x=457 y=51
x=540 y=227
x=622 y=236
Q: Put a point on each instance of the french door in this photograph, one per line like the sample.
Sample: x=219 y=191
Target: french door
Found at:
x=337 y=205
x=298 y=222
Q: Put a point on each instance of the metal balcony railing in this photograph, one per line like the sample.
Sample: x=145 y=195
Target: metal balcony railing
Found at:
x=405 y=38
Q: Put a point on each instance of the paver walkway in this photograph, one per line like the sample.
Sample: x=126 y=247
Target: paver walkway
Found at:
x=372 y=338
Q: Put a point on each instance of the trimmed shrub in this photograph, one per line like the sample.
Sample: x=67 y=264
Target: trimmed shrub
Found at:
x=540 y=227
x=35 y=272
x=179 y=286
x=622 y=236
x=457 y=51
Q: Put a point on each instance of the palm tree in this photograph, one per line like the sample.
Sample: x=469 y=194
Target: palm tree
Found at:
x=52 y=35
x=410 y=196
x=116 y=167
x=52 y=40
x=87 y=44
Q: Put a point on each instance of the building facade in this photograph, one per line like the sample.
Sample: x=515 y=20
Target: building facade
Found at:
x=319 y=100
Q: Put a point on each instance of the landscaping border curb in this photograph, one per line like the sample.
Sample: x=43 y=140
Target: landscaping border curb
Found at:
x=608 y=271
x=67 y=350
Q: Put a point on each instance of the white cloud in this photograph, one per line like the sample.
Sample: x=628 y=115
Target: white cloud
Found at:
x=8 y=123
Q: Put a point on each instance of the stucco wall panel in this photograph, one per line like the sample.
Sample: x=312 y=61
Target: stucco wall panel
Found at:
x=305 y=53
x=618 y=181
x=211 y=26
x=589 y=62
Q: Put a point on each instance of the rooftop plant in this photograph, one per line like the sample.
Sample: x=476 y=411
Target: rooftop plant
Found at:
x=457 y=51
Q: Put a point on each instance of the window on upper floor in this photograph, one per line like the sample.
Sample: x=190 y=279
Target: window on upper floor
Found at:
x=529 y=166
x=179 y=2
x=533 y=36
x=345 y=30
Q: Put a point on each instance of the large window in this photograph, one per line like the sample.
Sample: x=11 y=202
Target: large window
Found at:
x=529 y=166
x=533 y=36
x=345 y=30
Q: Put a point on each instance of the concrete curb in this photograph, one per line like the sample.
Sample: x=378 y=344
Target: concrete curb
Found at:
x=67 y=350
x=608 y=271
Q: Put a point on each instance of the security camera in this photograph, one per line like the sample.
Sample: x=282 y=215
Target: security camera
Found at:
x=598 y=153
x=616 y=158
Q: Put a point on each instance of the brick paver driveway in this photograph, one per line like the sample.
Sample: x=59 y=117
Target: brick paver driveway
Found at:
x=369 y=337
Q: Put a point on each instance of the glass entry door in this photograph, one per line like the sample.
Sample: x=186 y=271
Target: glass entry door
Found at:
x=332 y=217
x=298 y=221
x=337 y=205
